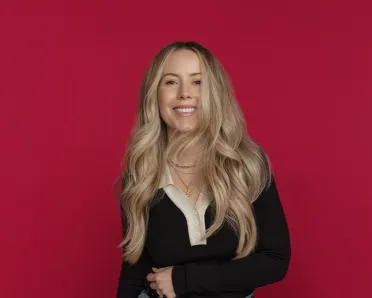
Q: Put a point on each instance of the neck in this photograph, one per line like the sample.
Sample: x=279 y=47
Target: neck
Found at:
x=190 y=156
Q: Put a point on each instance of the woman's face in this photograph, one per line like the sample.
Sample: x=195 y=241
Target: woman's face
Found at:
x=179 y=90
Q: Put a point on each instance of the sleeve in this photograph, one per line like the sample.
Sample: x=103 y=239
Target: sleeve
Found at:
x=132 y=279
x=268 y=264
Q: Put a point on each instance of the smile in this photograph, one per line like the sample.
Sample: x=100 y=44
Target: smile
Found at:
x=184 y=111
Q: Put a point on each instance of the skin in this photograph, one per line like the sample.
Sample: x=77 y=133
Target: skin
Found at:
x=180 y=85
x=161 y=281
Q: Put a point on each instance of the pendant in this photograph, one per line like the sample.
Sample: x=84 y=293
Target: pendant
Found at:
x=188 y=192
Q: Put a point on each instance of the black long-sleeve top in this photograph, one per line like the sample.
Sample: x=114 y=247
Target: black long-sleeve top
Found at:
x=204 y=267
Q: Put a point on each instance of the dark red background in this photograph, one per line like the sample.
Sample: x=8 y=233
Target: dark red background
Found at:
x=70 y=73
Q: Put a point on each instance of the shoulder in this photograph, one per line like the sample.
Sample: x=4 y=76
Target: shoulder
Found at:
x=269 y=193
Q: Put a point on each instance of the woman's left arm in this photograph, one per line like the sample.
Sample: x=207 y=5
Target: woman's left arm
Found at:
x=268 y=264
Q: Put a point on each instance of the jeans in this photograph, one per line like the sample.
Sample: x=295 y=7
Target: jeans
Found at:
x=144 y=295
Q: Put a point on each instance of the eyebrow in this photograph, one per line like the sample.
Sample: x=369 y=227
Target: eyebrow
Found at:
x=176 y=75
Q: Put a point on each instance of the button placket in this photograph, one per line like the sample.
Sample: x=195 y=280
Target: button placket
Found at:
x=194 y=213
x=196 y=235
x=194 y=220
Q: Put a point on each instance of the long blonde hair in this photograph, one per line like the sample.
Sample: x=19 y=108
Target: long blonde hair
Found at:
x=236 y=168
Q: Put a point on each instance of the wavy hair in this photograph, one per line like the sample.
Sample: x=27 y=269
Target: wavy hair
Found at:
x=236 y=168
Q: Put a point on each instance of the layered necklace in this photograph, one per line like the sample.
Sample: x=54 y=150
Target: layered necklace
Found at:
x=188 y=191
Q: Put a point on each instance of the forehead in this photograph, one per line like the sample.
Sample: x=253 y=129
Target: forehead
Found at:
x=182 y=61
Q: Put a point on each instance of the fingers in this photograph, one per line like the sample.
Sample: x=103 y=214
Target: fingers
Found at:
x=162 y=291
x=151 y=277
x=161 y=282
x=154 y=286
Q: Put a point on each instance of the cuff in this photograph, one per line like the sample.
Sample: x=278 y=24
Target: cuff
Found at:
x=179 y=280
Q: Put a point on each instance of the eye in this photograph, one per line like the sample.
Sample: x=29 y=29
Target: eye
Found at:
x=170 y=82
x=197 y=82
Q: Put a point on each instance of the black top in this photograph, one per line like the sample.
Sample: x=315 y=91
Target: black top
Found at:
x=207 y=270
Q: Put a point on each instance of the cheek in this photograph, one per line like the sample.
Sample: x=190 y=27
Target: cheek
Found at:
x=167 y=92
x=197 y=91
x=165 y=97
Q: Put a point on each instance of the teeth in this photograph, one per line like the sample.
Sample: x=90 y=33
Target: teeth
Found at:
x=185 y=110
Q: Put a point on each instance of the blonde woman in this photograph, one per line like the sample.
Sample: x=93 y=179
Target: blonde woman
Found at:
x=200 y=208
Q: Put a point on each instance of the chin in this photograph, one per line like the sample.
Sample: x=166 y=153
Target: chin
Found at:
x=183 y=129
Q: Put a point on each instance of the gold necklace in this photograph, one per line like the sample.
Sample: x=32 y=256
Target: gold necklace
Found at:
x=183 y=166
x=198 y=166
x=188 y=190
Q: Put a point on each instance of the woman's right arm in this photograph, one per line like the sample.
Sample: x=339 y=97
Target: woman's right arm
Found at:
x=133 y=277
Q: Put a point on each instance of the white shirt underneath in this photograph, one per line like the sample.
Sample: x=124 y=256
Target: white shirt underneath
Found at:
x=194 y=213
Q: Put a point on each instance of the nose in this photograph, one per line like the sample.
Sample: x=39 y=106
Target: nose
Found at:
x=183 y=92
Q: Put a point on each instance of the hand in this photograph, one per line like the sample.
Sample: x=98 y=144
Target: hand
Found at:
x=161 y=281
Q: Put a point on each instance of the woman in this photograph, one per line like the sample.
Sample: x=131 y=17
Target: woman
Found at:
x=201 y=212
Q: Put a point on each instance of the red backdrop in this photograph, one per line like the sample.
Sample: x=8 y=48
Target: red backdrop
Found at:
x=70 y=73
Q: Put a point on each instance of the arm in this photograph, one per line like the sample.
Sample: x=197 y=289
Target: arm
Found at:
x=133 y=277
x=267 y=265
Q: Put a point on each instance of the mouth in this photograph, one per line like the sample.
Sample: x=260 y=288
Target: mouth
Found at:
x=184 y=111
